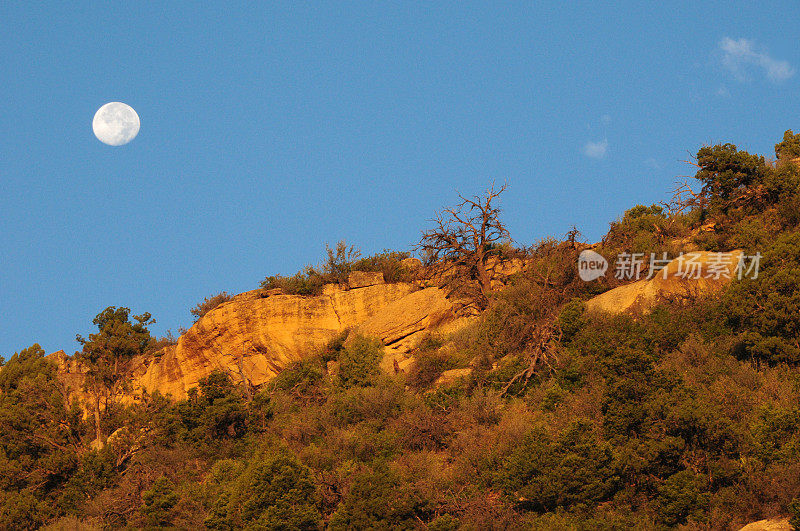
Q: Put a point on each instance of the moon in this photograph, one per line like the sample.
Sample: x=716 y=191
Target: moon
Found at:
x=115 y=124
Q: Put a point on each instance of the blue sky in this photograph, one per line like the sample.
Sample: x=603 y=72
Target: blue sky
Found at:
x=268 y=129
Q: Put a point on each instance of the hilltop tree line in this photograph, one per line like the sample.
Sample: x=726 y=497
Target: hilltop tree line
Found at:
x=685 y=416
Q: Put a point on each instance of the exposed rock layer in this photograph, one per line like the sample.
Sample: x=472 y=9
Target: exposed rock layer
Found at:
x=256 y=338
x=779 y=524
x=696 y=273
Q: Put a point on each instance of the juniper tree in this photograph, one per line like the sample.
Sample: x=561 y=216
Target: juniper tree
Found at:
x=466 y=240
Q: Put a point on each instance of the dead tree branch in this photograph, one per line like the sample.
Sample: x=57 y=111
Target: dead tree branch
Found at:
x=466 y=239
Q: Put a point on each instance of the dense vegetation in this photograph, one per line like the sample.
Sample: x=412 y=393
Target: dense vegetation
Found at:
x=686 y=416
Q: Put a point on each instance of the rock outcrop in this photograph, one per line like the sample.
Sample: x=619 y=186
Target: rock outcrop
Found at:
x=362 y=279
x=781 y=524
x=402 y=324
x=255 y=338
x=69 y=370
x=694 y=274
x=256 y=334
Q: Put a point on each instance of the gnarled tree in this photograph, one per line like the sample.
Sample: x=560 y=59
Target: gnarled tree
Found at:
x=466 y=240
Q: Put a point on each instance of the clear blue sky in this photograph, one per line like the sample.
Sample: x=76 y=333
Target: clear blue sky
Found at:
x=269 y=129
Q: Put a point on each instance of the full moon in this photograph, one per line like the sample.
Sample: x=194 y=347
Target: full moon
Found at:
x=115 y=124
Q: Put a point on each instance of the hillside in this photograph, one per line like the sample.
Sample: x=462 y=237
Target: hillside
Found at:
x=488 y=386
x=255 y=335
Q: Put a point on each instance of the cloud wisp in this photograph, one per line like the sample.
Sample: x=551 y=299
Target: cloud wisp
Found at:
x=652 y=163
x=596 y=150
x=738 y=55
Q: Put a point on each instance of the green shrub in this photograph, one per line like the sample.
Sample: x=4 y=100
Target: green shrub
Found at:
x=710 y=241
x=209 y=303
x=336 y=268
x=571 y=318
x=379 y=402
x=359 y=362
x=224 y=469
x=682 y=495
x=574 y=471
x=274 y=492
x=783 y=180
x=40 y=441
x=428 y=367
x=424 y=429
x=299 y=376
x=21 y=510
x=307 y=282
x=789 y=147
x=339 y=262
x=554 y=396
x=159 y=502
x=381 y=499
x=789 y=209
x=72 y=523
x=551 y=264
x=445 y=522
x=389 y=263
x=642 y=229
x=504 y=370
x=215 y=410
x=752 y=234
x=776 y=434
x=794 y=513
x=765 y=311
x=729 y=175
x=430 y=362
x=333 y=270
x=445 y=398
x=334 y=347
x=513 y=322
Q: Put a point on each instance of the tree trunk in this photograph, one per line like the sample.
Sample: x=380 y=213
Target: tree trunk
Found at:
x=484 y=278
x=97 y=431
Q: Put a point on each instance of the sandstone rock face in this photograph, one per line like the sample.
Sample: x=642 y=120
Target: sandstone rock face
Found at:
x=362 y=279
x=258 y=333
x=697 y=273
x=403 y=324
x=70 y=372
x=781 y=524
x=255 y=338
x=402 y=318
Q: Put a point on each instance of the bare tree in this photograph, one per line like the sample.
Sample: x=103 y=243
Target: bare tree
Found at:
x=572 y=236
x=683 y=197
x=466 y=240
x=541 y=350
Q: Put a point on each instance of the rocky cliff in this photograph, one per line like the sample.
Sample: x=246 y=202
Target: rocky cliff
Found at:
x=257 y=333
x=696 y=273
